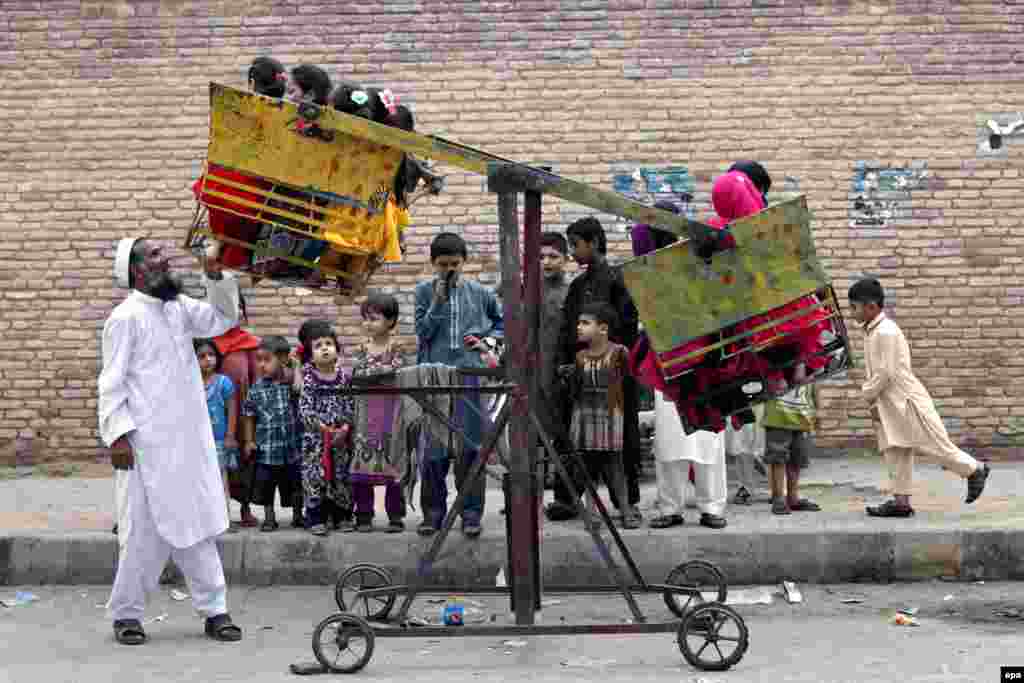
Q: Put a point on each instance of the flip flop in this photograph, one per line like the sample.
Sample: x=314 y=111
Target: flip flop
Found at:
x=804 y=505
x=223 y=629
x=129 y=632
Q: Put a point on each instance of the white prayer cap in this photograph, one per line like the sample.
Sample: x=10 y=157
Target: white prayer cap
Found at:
x=123 y=261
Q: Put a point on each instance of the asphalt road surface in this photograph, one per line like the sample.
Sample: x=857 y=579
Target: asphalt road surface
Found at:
x=966 y=632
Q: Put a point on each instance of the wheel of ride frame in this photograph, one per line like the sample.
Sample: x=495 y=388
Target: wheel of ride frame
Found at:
x=713 y=637
x=343 y=643
x=703 y=577
x=357 y=578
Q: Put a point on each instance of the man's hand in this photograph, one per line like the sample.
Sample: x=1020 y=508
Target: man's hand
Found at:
x=249 y=451
x=210 y=261
x=122 y=457
x=230 y=442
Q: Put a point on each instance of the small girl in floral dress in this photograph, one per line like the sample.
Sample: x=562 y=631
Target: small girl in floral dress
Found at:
x=326 y=414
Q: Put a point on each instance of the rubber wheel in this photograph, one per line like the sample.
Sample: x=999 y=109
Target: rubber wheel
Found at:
x=357 y=578
x=713 y=637
x=702 y=577
x=343 y=643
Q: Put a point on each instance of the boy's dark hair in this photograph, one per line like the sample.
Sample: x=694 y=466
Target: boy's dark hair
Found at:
x=199 y=344
x=867 y=291
x=556 y=241
x=275 y=344
x=590 y=230
x=315 y=329
x=602 y=312
x=402 y=118
x=757 y=174
x=377 y=106
x=383 y=304
x=314 y=81
x=448 y=244
x=264 y=76
x=343 y=102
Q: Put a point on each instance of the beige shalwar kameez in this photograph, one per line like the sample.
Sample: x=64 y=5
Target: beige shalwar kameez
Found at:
x=907 y=422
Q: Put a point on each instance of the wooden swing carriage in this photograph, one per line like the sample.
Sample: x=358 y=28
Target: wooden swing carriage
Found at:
x=303 y=179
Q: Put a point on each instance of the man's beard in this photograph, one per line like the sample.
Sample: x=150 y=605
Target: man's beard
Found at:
x=164 y=287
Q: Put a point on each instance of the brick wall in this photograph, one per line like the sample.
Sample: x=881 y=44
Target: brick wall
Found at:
x=877 y=112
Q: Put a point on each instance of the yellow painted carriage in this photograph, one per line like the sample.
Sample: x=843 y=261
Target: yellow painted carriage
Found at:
x=290 y=198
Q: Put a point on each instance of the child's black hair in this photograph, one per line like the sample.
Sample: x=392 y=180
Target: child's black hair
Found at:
x=377 y=106
x=758 y=175
x=448 y=244
x=316 y=329
x=867 y=291
x=275 y=344
x=590 y=230
x=305 y=339
x=602 y=312
x=265 y=76
x=383 y=304
x=556 y=241
x=402 y=118
x=314 y=81
x=343 y=101
x=199 y=344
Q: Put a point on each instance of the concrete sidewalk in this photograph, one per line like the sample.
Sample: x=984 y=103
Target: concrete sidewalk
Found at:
x=58 y=531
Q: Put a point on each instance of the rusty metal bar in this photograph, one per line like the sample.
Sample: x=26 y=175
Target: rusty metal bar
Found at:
x=518 y=630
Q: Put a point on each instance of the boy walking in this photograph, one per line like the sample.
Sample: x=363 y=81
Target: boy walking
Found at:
x=271 y=433
x=788 y=423
x=904 y=414
x=458 y=321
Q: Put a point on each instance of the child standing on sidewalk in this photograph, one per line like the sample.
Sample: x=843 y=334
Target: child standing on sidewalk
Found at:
x=788 y=423
x=457 y=318
x=220 y=403
x=372 y=463
x=271 y=431
x=905 y=418
x=327 y=425
x=597 y=429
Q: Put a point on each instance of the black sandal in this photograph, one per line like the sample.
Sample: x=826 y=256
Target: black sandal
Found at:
x=129 y=632
x=890 y=509
x=976 y=483
x=223 y=629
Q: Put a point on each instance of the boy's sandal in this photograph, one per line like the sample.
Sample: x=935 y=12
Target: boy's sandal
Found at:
x=890 y=509
x=804 y=505
x=976 y=483
x=269 y=525
x=780 y=507
x=223 y=629
x=632 y=521
x=396 y=526
x=319 y=530
x=129 y=632
x=666 y=521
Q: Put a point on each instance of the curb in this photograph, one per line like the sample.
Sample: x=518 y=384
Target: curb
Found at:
x=766 y=557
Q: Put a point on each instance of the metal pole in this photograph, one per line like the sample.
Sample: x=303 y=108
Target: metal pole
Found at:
x=522 y=547
x=532 y=273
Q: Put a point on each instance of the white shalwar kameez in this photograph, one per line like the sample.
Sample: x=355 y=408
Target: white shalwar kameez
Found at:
x=173 y=499
x=674 y=450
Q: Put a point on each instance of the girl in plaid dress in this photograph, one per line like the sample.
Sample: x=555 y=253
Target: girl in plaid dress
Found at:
x=598 y=414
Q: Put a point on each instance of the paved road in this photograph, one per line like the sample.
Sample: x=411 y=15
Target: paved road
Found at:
x=64 y=636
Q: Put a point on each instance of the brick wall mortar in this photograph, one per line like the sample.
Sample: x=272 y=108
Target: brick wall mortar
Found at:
x=103 y=129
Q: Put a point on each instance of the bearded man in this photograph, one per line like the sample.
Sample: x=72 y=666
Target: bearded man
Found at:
x=153 y=417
